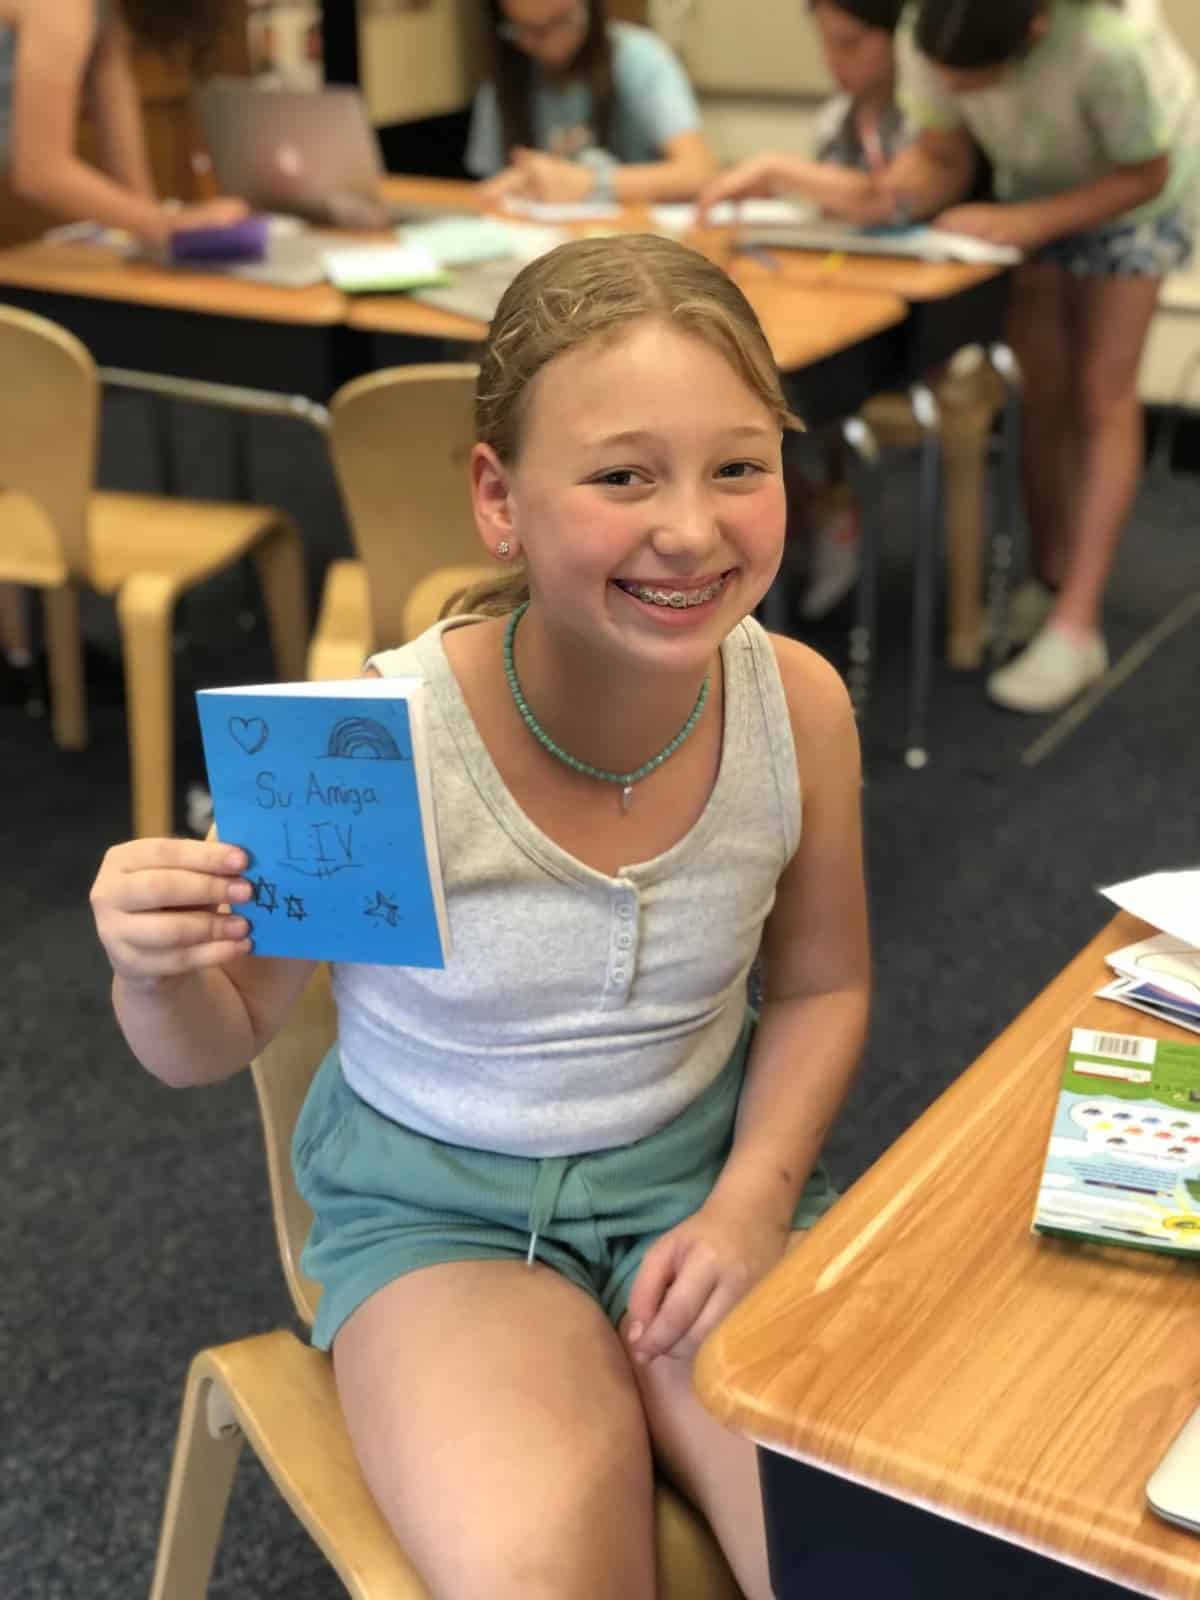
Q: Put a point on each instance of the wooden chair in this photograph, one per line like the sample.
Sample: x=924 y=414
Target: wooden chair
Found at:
x=58 y=533
x=277 y=1393
x=400 y=440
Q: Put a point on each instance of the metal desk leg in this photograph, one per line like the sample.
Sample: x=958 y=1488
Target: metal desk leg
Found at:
x=1005 y=524
x=865 y=449
x=925 y=565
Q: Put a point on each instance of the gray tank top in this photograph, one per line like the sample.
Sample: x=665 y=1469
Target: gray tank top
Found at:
x=576 y=1011
x=8 y=53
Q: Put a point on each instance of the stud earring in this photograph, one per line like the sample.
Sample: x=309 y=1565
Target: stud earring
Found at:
x=503 y=549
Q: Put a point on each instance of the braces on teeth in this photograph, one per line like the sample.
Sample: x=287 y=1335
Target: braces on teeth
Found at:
x=676 y=597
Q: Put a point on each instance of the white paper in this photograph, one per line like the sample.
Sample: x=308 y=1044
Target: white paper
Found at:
x=1168 y=963
x=562 y=210
x=1169 y=901
x=381 y=263
x=677 y=217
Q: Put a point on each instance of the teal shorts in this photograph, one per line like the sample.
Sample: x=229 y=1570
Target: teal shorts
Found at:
x=387 y=1200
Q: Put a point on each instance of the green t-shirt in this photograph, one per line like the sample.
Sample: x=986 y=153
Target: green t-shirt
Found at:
x=1102 y=88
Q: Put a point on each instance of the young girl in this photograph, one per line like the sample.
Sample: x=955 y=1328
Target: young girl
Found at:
x=580 y=108
x=54 y=54
x=859 y=131
x=541 y=1176
x=1091 y=117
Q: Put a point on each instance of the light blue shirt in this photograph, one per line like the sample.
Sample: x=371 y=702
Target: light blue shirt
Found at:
x=652 y=102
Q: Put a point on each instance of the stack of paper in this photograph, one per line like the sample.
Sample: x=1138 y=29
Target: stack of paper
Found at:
x=1160 y=975
x=377 y=268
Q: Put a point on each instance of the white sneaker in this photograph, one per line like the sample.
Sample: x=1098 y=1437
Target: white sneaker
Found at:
x=1030 y=603
x=834 y=563
x=1049 y=672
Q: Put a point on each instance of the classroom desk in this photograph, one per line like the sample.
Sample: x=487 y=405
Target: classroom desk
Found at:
x=924 y=1349
x=829 y=345
x=186 y=324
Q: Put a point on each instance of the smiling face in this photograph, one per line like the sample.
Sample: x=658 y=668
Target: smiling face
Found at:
x=859 y=57
x=549 y=31
x=647 y=495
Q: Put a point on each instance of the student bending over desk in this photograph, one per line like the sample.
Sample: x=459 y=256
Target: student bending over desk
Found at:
x=581 y=108
x=858 y=133
x=53 y=55
x=540 y=1176
x=1090 y=115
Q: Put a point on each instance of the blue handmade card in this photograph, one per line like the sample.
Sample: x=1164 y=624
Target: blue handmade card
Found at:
x=327 y=787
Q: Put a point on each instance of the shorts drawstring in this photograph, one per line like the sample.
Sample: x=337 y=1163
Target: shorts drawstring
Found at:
x=547 y=1186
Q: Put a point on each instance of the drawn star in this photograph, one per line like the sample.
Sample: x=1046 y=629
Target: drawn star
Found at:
x=264 y=895
x=294 y=907
x=381 y=909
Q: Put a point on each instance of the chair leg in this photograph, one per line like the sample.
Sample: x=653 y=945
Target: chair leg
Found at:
x=279 y=557
x=206 y=1456
x=964 y=455
x=145 y=606
x=64 y=652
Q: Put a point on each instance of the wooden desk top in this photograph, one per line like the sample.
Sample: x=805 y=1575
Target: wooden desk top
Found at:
x=924 y=1342
x=100 y=273
x=804 y=320
x=802 y=324
x=912 y=280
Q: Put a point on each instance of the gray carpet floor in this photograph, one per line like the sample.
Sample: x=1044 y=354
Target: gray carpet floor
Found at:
x=134 y=1225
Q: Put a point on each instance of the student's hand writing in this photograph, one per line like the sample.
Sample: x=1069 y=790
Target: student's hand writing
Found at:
x=169 y=906
x=756 y=177
x=534 y=175
x=695 y=1274
x=1015 y=224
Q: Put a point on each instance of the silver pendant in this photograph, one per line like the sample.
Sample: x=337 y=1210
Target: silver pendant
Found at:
x=626 y=796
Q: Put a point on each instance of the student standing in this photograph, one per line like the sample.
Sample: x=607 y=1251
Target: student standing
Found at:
x=55 y=56
x=580 y=108
x=541 y=1176
x=1090 y=115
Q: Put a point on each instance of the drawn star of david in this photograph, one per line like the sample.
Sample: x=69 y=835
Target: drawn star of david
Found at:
x=381 y=909
x=264 y=895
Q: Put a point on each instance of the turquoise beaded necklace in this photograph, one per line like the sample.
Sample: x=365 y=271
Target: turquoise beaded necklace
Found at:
x=625 y=779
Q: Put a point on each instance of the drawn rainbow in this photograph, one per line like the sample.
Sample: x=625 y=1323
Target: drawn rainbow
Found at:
x=362 y=739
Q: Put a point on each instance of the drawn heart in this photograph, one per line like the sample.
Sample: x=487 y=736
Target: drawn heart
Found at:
x=250 y=732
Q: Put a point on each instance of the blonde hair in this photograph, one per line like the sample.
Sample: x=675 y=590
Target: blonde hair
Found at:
x=589 y=291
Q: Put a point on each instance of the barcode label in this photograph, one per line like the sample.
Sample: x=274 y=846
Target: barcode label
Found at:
x=1117 y=1046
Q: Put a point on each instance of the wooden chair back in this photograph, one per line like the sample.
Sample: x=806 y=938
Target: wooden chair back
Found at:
x=49 y=417
x=400 y=441
x=282 y=1074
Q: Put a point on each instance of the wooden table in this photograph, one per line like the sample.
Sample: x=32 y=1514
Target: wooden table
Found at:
x=834 y=345
x=181 y=323
x=924 y=1344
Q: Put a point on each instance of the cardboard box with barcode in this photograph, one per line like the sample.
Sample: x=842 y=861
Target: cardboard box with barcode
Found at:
x=1123 y=1162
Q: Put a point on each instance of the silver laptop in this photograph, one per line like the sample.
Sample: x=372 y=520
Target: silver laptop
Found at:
x=310 y=153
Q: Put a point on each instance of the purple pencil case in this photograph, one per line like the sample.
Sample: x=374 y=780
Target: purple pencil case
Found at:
x=236 y=241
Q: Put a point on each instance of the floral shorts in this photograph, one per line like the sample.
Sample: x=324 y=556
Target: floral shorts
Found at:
x=1149 y=249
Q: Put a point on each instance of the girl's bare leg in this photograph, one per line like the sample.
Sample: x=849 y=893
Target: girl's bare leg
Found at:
x=496 y=1418
x=1111 y=317
x=1040 y=336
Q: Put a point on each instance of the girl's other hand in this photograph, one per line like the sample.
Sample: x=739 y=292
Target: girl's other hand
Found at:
x=1015 y=225
x=751 y=179
x=694 y=1275
x=164 y=907
x=534 y=175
